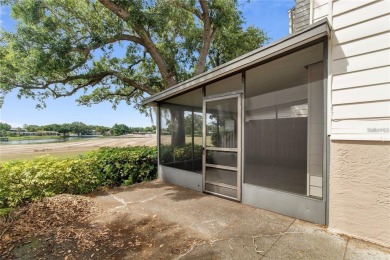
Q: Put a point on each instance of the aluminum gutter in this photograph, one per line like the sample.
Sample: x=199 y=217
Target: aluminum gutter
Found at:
x=313 y=32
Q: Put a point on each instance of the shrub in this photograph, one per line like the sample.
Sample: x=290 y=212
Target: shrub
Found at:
x=23 y=181
x=126 y=165
x=180 y=153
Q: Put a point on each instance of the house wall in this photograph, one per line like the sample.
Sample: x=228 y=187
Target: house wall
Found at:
x=359 y=82
x=360 y=66
x=360 y=190
x=320 y=10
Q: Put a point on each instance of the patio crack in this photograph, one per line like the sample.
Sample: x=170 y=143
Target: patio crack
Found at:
x=233 y=223
x=277 y=240
x=346 y=248
x=126 y=203
x=193 y=246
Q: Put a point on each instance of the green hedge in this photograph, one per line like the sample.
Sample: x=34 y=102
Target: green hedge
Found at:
x=124 y=165
x=24 y=181
x=181 y=153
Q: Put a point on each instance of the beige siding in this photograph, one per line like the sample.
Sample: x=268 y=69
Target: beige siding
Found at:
x=320 y=10
x=360 y=65
x=362 y=110
x=364 y=45
x=363 y=94
x=358 y=127
x=345 y=6
x=362 y=78
x=357 y=32
x=361 y=14
x=361 y=62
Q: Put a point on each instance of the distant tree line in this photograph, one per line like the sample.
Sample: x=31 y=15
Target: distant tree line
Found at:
x=78 y=128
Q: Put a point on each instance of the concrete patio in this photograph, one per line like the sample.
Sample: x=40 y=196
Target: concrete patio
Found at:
x=221 y=229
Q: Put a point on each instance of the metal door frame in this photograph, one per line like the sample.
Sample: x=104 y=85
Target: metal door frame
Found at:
x=238 y=150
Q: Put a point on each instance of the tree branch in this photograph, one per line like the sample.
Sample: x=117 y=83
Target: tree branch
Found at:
x=207 y=38
x=163 y=67
x=135 y=84
x=194 y=11
x=121 y=37
x=93 y=79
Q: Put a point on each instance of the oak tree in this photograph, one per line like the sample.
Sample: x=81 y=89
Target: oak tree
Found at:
x=117 y=50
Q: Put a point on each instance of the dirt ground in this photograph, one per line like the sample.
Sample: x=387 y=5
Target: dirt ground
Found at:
x=28 y=151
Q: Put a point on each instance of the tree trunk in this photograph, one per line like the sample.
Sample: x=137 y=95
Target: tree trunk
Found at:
x=178 y=137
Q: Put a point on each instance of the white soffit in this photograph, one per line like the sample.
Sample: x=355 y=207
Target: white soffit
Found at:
x=311 y=33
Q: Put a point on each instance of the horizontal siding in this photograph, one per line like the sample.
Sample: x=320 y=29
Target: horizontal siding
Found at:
x=361 y=70
x=301 y=15
x=361 y=126
x=362 y=78
x=302 y=19
x=361 y=94
x=366 y=45
x=302 y=10
x=301 y=25
x=342 y=6
x=362 y=110
x=320 y=12
x=371 y=27
x=320 y=2
x=362 y=62
x=362 y=14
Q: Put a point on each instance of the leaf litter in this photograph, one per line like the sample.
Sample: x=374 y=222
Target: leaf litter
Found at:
x=56 y=220
x=68 y=227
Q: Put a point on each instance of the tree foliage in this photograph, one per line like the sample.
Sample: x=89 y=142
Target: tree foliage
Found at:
x=80 y=128
x=120 y=129
x=4 y=127
x=117 y=50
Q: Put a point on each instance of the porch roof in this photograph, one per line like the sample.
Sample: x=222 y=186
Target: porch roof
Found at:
x=311 y=33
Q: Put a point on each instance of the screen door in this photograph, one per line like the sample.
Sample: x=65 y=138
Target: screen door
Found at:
x=222 y=146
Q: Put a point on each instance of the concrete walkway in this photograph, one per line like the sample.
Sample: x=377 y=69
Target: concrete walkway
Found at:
x=215 y=228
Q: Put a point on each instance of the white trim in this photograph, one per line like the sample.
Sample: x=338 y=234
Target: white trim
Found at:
x=330 y=12
x=361 y=137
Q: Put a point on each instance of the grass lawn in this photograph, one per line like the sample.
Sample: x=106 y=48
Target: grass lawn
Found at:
x=33 y=137
x=65 y=154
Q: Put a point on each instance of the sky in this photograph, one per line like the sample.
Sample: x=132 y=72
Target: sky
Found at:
x=269 y=15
